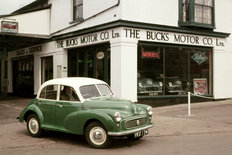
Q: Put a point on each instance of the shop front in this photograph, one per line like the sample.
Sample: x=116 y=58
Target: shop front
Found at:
x=21 y=71
x=140 y=63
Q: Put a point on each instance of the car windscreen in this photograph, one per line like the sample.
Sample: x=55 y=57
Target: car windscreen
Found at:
x=104 y=90
x=90 y=91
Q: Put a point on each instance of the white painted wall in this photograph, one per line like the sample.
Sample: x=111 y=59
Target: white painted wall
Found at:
x=222 y=59
x=164 y=12
x=124 y=68
x=93 y=7
x=59 y=59
x=62 y=13
x=32 y=24
x=106 y=17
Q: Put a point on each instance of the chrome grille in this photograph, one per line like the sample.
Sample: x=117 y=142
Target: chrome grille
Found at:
x=135 y=123
x=151 y=89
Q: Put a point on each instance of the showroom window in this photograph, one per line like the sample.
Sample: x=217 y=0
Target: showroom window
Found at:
x=197 y=13
x=174 y=70
x=77 y=10
x=90 y=61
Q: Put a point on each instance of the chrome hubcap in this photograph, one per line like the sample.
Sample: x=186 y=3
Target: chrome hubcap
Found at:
x=98 y=135
x=33 y=126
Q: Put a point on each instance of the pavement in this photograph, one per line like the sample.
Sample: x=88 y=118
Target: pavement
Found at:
x=207 y=117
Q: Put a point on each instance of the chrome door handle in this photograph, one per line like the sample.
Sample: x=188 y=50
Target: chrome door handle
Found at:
x=59 y=105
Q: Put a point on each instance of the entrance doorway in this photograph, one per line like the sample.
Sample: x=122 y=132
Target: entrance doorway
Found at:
x=23 y=77
x=46 y=68
x=91 y=62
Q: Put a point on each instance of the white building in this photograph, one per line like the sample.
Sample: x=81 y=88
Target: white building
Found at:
x=145 y=49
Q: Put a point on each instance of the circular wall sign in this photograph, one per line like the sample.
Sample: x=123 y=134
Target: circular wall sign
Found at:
x=100 y=55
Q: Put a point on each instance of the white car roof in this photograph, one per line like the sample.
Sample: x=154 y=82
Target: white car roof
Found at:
x=73 y=81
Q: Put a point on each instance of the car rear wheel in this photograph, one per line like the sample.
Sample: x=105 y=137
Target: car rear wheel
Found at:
x=96 y=136
x=33 y=126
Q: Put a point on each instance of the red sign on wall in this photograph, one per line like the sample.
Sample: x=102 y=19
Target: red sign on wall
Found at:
x=200 y=86
x=150 y=55
x=9 y=27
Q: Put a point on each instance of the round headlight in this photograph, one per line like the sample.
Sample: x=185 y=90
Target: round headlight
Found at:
x=170 y=84
x=149 y=110
x=117 y=117
x=161 y=84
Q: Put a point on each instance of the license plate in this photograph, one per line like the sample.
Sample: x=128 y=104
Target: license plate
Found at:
x=140 y=133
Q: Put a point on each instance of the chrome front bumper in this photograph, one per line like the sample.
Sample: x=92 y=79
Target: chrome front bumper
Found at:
x=128 y=132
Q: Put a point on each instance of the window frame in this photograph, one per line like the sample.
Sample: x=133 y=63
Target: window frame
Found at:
x=75 y=7
x=45 y=88
x=191 y=16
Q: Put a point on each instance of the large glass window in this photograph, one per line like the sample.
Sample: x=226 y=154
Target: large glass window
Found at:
x=77 y=9
x=92 y=61
x=173 y=70
x=198 y=13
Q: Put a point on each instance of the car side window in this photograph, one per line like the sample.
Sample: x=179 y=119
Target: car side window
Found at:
x=67 y=93
x=49 y=92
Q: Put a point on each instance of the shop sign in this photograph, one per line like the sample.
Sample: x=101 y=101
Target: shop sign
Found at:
x=200 y=86
x=199 y=57
x=100 y=55
x=9 y=27
x=150 y=54
x=88 y=39
x=174 y=38
x=141 y=35
x=28 y=51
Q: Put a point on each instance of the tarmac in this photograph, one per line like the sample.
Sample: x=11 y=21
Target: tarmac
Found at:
x=207 y=117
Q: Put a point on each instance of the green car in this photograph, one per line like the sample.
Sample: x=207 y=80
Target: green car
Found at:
x=85 y=106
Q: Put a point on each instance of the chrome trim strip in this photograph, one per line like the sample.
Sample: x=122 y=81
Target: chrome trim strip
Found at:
x=122 y=133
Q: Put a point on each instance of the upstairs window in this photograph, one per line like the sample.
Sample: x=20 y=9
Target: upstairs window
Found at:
x=77 y=10
x=197 y=13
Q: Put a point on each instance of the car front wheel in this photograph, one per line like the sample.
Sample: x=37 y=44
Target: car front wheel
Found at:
x=96 y=135
x=33 y=126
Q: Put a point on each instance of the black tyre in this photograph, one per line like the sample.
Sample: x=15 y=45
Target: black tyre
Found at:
x=97 y=136
x=33 y=126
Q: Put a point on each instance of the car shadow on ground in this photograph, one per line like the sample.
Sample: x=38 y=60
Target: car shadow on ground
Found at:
x=72 y=139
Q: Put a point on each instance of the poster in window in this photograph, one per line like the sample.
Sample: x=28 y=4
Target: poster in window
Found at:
x=150 y=54
x=200 y=86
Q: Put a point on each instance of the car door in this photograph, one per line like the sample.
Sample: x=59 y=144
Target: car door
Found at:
x=46 y=103
x=66 y=110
